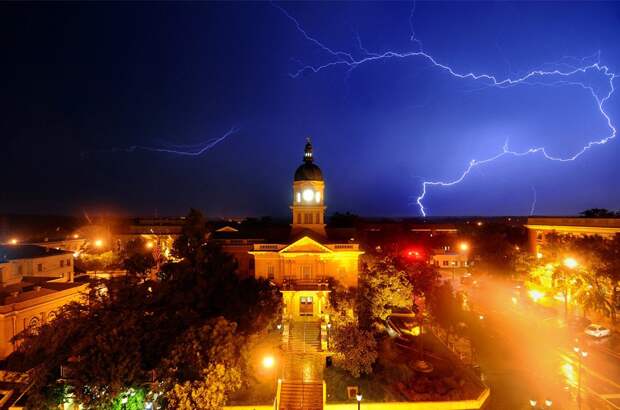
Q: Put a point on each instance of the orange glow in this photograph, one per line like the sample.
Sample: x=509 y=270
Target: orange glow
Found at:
x=13 y=241
x=98 y=243
x=149 y=245
x=268 y=362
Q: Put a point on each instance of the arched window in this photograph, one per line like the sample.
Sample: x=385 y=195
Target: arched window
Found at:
x=51 y=316
x=33 y=325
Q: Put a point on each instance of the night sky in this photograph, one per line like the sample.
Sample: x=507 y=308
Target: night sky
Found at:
x=82 y=83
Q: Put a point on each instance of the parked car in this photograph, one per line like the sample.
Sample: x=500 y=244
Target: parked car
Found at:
x=597 y=331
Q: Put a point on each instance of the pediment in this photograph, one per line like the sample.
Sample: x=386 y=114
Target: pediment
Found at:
x=306 y=245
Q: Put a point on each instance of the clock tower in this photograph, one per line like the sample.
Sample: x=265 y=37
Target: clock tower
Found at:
x=308 y=196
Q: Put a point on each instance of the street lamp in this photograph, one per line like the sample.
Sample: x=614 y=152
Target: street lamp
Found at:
x=98 y=243
x=548 y=403
x=581 y=354
x=329 y=328
x=464 y=246
x=571 y=264
x=13 y=241
x=358 y=396
x=533 y=403
x=268 y=362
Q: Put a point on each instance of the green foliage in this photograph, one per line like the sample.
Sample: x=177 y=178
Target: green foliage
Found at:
x=382 y=288
x=598 y=213
x=356 y=349
x=137 y=258
x=204 y=367
x=94 y=262
x=135 y=399
x=132 y=332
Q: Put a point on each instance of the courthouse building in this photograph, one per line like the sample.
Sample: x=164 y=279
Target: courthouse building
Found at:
x=302 y=265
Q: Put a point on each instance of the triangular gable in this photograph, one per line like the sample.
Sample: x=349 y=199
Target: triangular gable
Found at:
x=306 y=245
x=227 y=229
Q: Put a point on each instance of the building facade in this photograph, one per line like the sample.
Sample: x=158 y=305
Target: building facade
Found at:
x=35 y=282
x=303 y=266
x=539 y=228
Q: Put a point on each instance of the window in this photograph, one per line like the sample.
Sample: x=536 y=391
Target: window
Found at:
x=299 y=197
x=317 y=197
x=40 y=267
x=20 y=270
x=306 y=271
x=271 y=272
x=68 y=262
x=444 y=263
x=62 y=263
x=299 y=218
x=307 y=218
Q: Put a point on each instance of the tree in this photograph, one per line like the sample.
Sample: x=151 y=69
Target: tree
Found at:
x=598 y=213
x=356 y=349
x=193 y=236
x=137 y=258
x=126 y=333
x=204 y=366
x=382 y=288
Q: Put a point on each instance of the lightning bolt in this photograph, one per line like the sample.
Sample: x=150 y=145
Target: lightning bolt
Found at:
x=349 y=61
x=533 y=207
x=192 y=150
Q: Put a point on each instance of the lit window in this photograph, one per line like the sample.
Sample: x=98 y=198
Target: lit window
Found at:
x=270 y=272
x=308 y=194
x=317 y=197
x=299 y=197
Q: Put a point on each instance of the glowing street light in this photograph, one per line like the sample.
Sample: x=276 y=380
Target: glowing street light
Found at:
x=13 y=241
x=149 y=245
x=98 y=243
x=533 y=403
x=358 y=396
x=570 y=263
x=464 y=246
x=536 y=295
x=268 y=362
x=539 y=255
x=548 y=402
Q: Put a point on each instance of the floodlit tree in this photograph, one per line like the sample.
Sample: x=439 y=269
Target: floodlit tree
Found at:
x=204 y=366
x=382 y=288
x=356 y=349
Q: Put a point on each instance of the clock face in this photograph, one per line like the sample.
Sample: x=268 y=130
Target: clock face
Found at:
x=308 y=195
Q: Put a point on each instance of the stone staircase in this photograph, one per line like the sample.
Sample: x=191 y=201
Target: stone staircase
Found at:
x=300 y=395
x=302 y=371
x=305 y=337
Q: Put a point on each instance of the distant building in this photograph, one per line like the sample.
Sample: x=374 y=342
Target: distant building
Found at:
x=445 y=259
x=540 y=227
x=34 y=283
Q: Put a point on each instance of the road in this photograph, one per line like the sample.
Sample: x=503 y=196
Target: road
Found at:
x=525 y=352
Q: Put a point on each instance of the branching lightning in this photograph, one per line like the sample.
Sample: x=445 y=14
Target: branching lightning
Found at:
x=559 y=78
x=193 y=150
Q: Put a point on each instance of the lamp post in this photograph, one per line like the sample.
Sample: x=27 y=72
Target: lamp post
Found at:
x=358 y=396
x=329 y=328
x=533 y=403
x=581 y=354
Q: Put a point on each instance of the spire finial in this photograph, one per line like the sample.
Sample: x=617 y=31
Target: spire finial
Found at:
x=308 y=151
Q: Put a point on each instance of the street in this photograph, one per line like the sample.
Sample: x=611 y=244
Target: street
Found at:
x=526 y=353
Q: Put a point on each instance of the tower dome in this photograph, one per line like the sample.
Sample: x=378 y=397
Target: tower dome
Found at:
x=308 y=171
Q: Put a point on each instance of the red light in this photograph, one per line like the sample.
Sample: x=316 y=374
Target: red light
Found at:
x=412 y=253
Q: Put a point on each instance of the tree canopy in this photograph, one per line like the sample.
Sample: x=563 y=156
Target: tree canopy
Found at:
x=145 y=335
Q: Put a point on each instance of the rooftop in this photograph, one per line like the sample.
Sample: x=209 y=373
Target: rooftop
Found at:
x=12 y=252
